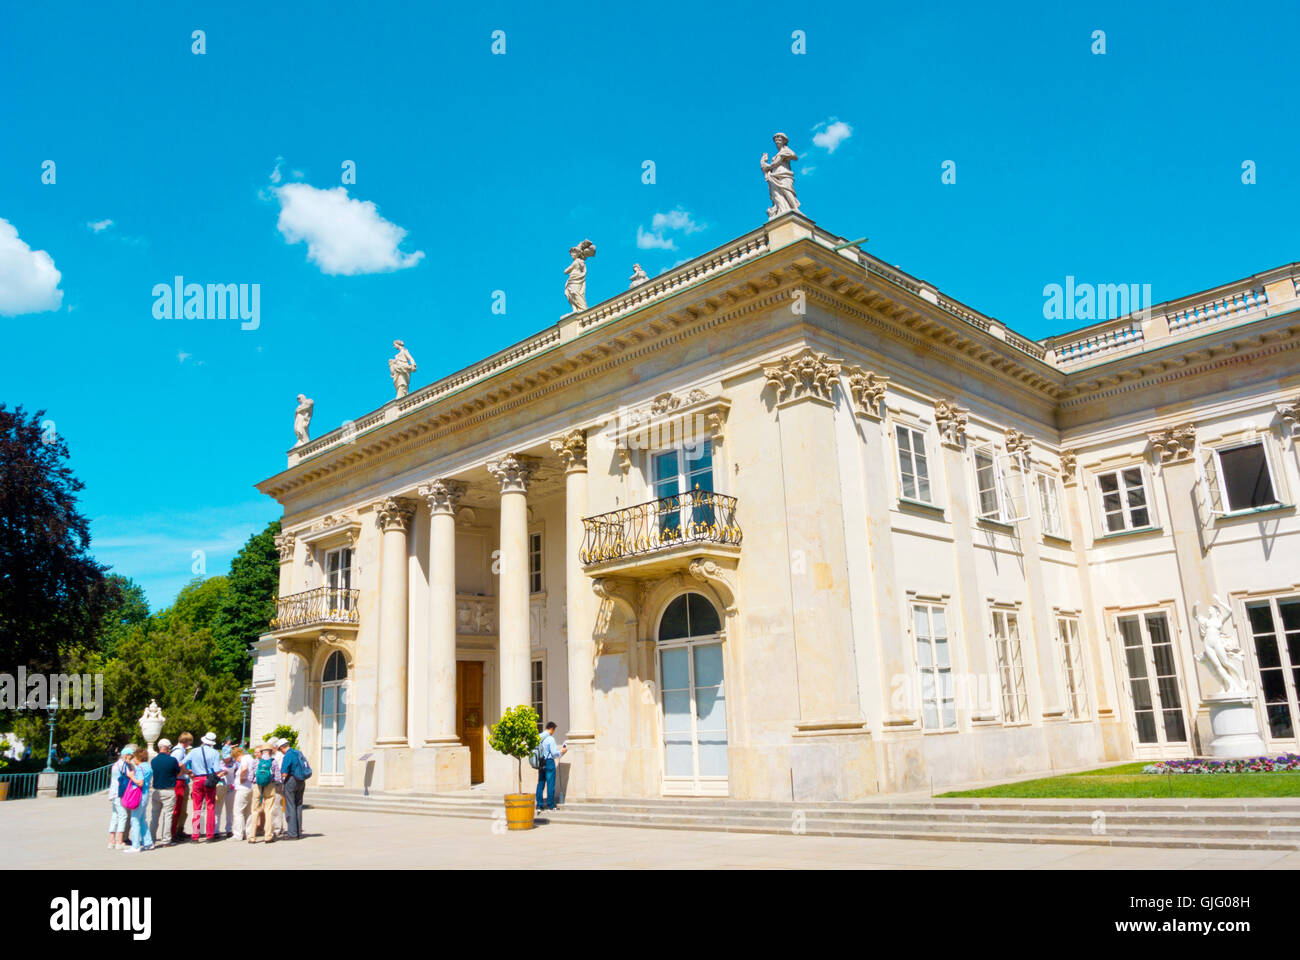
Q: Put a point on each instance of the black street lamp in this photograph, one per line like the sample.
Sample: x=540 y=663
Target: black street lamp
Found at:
x=245 y=698
x=52 y=708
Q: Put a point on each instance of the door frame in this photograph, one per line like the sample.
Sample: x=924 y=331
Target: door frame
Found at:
x=1162 y=748
x=695 y=785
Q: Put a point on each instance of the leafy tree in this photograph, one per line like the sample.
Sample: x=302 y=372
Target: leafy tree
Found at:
x=285 y=731
x=516 y=736
x=197 y=604
x=130 y=608
x=249 y=604
x=53 y=596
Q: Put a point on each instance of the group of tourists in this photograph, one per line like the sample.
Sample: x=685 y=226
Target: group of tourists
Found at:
x=253 y=795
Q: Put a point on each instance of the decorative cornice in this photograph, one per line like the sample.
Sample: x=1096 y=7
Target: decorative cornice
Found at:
x=572 y=450
x=394 y=514
x=513 y=471
x=951 y=421
x=443 y=496
x=1174 y=444
x=284 y=542
x=807 y=374
x=867 y=390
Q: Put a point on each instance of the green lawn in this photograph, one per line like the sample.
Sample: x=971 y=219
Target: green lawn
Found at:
x=1128 y=780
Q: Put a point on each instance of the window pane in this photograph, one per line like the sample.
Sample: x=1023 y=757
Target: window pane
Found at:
x=713 y=757
x=678 y=761
x=674 y=624
x=677 y=711
x=703 y=619
x=675 y=669
x=708 y=665
x=1245 y=477
x=711 y=713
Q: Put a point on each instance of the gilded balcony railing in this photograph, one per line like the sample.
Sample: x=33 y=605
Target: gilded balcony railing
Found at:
x=319 y=605
x=699 y=516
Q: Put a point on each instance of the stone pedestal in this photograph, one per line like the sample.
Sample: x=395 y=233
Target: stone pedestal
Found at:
x=47 y=785
x=1236 y=728
x=443 y=768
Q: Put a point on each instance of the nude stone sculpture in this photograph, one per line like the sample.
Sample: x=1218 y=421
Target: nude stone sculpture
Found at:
x=1222 y=657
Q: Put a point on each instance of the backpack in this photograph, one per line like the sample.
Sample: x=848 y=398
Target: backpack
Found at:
x=535 y=759
x=265 y=773
x=122 y=782
x=304 y=767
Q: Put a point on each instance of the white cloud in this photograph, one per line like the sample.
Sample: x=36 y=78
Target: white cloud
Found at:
x=645 y=240
x=99 y=226
x=276 y=176
x=834 y=133
x=182 y=356
x=675 y=220
x=343 y=235
x=29 y=282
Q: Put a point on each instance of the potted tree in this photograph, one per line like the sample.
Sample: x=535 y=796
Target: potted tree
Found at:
x=515 y=735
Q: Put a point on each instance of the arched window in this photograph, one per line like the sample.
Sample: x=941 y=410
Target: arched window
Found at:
x=690 y=615
x=336 y=668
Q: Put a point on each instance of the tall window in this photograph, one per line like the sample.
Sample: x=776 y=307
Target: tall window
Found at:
x=683 y=475
x=1011 y=668
x=986 y=484
x=333 y=717
x=934 y=665
x=1124 y=503
x=1275 y=628
x=539 y=691
x=1049 y=502
x=338 y=578
x=913 y=471
x=1067 y=641
x=999 y=491
x=535 y=563
x=1245 y=477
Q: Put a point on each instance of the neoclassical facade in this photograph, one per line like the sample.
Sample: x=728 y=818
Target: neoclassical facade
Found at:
x=786 y=522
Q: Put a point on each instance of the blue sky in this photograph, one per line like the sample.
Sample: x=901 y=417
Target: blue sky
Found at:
x=1116 y=168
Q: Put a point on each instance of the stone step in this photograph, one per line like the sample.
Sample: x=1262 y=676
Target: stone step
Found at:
x=1181 y=831
x=1166 y=835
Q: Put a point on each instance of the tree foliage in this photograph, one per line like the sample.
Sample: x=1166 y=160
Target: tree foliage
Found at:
x=515 y=735
x=53 y=596
x=249 y=604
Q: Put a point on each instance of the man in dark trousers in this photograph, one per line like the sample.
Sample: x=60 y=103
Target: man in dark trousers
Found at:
x=295 y=771
x=163 y=794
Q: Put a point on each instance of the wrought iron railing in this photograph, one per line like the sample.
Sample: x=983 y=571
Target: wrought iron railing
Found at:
x=700 y=516
x=319 y=605
x=82 y=783
x=21 y=785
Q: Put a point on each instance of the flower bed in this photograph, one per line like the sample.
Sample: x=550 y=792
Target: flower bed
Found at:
x=1283 y=763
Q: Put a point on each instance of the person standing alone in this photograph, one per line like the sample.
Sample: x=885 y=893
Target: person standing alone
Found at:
x=548 y=753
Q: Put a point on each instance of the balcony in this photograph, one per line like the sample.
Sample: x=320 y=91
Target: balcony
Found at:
x=312 y=610
x=653 y=538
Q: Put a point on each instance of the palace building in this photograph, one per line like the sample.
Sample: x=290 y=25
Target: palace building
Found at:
x=787 y=522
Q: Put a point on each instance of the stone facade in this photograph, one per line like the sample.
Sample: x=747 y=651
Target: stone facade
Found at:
x=930 y=551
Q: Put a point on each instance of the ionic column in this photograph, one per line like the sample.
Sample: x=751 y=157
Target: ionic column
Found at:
x=572 y=448
x=443 y=496
x=513 y=472
x=394 y=519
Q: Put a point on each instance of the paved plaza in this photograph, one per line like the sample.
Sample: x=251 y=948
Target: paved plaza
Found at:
x=72 y=834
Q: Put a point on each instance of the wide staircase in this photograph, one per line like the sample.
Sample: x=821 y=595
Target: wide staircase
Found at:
x=1244 y=824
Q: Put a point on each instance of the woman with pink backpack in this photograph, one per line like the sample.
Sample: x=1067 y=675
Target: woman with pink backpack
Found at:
x=136 y=801
x=117 y=784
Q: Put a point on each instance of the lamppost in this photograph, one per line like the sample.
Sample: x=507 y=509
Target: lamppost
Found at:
x=52 y=708
x=245 y=698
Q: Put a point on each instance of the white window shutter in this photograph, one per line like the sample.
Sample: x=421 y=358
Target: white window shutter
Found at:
x=1011 y=483
x=1208 y=492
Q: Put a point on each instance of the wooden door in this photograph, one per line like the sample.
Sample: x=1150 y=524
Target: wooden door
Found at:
x=469 y=713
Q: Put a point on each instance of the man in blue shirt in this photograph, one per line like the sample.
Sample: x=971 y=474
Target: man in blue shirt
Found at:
x=549 y=753
x=295 y=782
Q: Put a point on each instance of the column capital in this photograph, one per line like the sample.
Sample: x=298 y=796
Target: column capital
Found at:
x=806 y=374
x=513 y=471
x=868 y=389
x=394 y=514
x=572 y=450
x=1175 y=443
x=284 y=542
x=951 y=420
x=443 y=496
